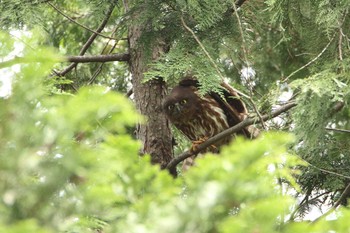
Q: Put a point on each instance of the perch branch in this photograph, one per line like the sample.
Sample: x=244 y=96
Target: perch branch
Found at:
x=249 y=121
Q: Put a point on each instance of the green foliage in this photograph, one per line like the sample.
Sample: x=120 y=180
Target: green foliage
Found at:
x=68 y=164
x=319 y=95
x=64 y=171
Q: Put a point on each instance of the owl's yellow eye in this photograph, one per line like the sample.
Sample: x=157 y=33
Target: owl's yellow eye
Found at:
x=171 y=106
x=183 y=102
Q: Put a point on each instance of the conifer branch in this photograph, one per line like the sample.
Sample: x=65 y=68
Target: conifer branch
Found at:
x=249 y=121
x=323 y=50
x=326 y=171
x=208 y=55
x=305 y=202
x=311 y=61
x=202 y=47
x=342 y=197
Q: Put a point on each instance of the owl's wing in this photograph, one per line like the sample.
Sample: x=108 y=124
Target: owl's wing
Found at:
x=231 y=103
x=234 y=109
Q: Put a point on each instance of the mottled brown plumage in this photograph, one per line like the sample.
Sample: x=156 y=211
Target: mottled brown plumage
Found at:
x=201 y=117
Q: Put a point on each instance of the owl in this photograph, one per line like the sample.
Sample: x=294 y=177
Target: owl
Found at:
x=200 y=117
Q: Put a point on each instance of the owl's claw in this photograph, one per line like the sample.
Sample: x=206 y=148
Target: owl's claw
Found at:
x=196 y=143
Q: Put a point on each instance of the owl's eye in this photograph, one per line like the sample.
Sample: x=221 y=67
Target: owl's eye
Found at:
x=170 y=107
x=182 y=102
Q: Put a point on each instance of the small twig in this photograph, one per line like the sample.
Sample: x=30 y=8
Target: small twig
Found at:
x=304 y=202
x=341 y=35
x=99 y=68
x=208 y=55
x=312 y=61
x=81 y=25
x=342 y=197
x=202 y=47
x=325 y=170
x=340 y=42
x=247 y=62
x=338 y=130
x=89 y=42
x=242 y=35
x=258 y=113
x=172 y=164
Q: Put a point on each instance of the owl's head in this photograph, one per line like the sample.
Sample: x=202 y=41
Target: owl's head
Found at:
x=181 y=103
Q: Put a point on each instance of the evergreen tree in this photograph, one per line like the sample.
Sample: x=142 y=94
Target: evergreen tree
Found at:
x=68 y=162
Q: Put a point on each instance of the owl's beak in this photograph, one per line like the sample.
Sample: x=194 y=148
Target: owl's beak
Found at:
x=177 y=108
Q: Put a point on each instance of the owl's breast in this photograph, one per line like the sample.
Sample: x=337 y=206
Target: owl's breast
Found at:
x=208 y=120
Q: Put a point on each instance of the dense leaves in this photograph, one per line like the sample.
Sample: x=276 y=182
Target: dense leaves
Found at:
x=68 y=161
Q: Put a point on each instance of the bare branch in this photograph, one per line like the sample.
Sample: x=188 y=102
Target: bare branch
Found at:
x=100 y=58
x=245 y=55
x=76 y=59
x=81 y=25
x=338 y=130
x=172 y=164
x=88 y=42
x=312 y=61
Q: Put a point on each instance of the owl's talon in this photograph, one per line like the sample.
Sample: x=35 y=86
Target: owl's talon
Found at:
x=196 y=143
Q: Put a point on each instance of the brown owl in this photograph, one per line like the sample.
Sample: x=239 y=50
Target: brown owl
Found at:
x=201 y=117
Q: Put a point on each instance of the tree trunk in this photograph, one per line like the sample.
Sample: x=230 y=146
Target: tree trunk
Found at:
x=155 y=133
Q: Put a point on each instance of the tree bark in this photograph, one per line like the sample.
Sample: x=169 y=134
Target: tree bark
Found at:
x=154 y=133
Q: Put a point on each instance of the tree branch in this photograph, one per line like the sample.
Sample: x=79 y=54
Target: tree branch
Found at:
x=81 y=25
x=338 y=130
x=249 y=121
x=311 y=61
x=88 y=42
x=238 y=4
x=76 y=59
x=99 y=58
x=342 y=197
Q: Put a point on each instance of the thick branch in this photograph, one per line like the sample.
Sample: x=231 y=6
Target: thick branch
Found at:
x=99 y=58
x=76 y=59
x=172 y=164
